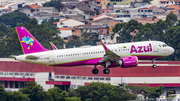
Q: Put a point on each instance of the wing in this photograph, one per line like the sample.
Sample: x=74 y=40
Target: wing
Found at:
x=109 y=55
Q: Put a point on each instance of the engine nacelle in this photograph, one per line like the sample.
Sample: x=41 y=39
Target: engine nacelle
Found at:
x=130 y=61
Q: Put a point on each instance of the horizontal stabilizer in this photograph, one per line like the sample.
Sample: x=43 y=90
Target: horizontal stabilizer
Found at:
x=13 y=56
x=31 y=57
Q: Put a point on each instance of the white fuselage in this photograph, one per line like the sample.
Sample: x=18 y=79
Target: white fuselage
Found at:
x=78 y=56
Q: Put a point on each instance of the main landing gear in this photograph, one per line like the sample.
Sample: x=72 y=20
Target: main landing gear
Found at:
x=154 y=65
x=105 y=71
x=95 y=70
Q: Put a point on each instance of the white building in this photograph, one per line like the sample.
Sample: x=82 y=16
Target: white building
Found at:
x=65 y=32
x=68 y=23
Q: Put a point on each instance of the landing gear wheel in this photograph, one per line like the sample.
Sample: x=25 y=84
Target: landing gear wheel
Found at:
x=106 y=71
x=95 y=71
x=154 y=66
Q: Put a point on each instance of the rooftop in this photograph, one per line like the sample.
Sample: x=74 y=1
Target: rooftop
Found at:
x=34 y=6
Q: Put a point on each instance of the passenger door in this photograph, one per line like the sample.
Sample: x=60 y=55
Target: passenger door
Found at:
x=51 y=58
x=155 y=47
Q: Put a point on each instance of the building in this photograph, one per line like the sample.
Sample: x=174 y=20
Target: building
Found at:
x=68 y=23
x=122 y=2
x=65 y=32
x=13 y=75
x=29 y=9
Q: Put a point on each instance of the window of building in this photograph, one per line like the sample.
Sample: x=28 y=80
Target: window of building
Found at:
x=101 y=78
x=98 y=2
x=31 y=74
x=11 y=84
x=141 y=10
x=117 y=10
x=22 y=85
x=96 y=78
x=62 y=77
x=11 y=73
x=102 y=11
x=26 y=74
x=108 y=78
x=73 y=77
x=114 y=3
x=78 y=77
x=6 y=84
x=57 y=77
x=67 y=77
x=16 y=84
x=149 y=10
x=90 y=78
x=16 y=73
x=84 y=77
x=21 y=74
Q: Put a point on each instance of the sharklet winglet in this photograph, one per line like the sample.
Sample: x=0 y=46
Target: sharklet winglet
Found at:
x=53 y=46
x=105 y=48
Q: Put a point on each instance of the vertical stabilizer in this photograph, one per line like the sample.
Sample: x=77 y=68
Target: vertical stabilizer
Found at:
x=28 y=43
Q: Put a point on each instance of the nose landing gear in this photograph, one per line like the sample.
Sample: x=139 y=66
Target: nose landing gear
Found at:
x=154 y=65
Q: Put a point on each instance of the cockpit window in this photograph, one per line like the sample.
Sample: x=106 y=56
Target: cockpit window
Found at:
x=164 y=45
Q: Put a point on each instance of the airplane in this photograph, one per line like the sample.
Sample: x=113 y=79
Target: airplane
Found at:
x=122 y=55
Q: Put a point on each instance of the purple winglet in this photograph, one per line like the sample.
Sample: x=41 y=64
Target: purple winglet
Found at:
x=105 y=48
x=28 y=43
x=53 y=46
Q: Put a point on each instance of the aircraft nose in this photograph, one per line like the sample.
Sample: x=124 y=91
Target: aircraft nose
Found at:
x=172 y=50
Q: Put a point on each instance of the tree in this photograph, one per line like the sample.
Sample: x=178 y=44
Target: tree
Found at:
x=97 y=91
x=54 y=3
x=35 y=92
x=124 y=30
x=171 y=19
x=57 y=94
x=3 y=93
x=12 y=19
x=153 y=92
x=16 y=96
x=74 y=43
x=73 y=99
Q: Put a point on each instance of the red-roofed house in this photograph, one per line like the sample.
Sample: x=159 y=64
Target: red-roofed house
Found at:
x=148 y=12
x=102 y=21
x=176 y=9
x=147 y=20
x=29 y=9
x=65 y=32
x=100 y=16
x=68 y=23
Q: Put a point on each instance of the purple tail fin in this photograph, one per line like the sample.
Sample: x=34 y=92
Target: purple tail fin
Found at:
x=28 y=43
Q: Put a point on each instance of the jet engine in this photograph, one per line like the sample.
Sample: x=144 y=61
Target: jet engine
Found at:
x=130 y=61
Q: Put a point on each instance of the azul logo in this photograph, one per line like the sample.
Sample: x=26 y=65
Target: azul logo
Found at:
x=141 y=49
x=29 y=41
